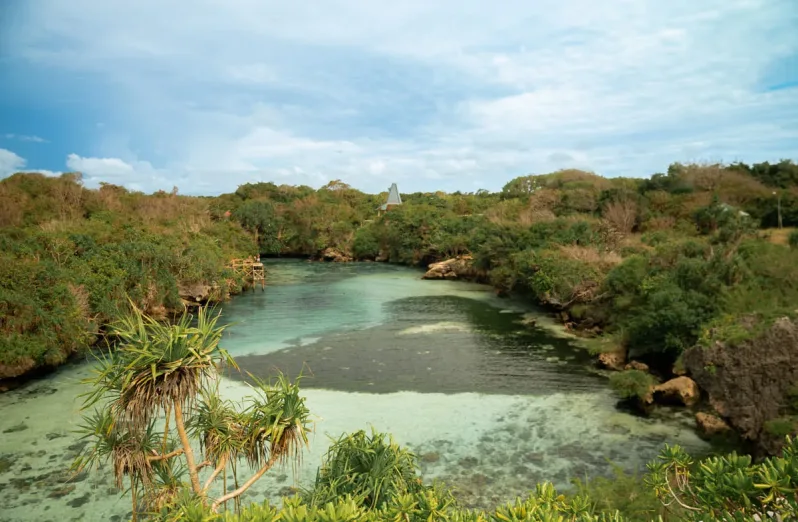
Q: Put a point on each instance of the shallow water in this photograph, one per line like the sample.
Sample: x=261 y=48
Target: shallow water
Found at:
x=489 y=405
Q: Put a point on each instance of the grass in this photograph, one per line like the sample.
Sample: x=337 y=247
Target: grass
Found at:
x=778 y=236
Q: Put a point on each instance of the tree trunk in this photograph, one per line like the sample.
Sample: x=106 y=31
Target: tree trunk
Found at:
x=134 y=516
x=224 y=485
x=219 y=468
x=254 y=478
x=166 y=429
x=235 y=484
x=192 y=468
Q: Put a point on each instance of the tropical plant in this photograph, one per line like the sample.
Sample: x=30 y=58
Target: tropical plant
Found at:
x=170 y=369
x=371 y=469
x=728 y=487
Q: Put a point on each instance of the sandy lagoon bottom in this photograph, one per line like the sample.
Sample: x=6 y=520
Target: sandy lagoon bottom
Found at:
x=489 y=447
x=490 y=406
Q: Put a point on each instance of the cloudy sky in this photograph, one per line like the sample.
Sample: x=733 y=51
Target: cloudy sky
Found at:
x=432 y=94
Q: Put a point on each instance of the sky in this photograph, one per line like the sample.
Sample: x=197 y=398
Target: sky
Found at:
x=446 y=95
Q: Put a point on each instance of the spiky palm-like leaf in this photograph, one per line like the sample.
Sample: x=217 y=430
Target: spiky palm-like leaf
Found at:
x=125 y=445
x=156 y=365
x=276 y=422
x=218 y=427
x=372 y=469
x=167 y=484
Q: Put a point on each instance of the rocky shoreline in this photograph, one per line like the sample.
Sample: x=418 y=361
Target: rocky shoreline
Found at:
x=191 y=295
x=733 y=390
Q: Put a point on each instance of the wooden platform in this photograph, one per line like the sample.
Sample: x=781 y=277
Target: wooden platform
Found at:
x=251 y=270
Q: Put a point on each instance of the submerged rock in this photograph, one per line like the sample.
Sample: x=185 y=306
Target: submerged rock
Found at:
x=681 y=390
x=431 y=457
x=711 y=425
x=80 y=501
x=61 y=492
x=17 y=427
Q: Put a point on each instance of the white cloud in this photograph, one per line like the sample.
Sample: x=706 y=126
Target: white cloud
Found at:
x=25 y=137
x=10 y=163
x=138 y=175
x=448 y=94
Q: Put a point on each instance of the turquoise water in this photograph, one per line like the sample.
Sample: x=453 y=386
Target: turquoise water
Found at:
x=491 y=406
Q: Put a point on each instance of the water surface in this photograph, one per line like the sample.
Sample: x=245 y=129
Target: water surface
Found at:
x=490 y=405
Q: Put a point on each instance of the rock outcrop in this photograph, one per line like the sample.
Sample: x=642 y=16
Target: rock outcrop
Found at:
x=748 y=382
x=711 y=425
x=614 y=360
x=681 y=390
x=457 y=268
x=196 y=292
x=636 y=365
x=335 y=255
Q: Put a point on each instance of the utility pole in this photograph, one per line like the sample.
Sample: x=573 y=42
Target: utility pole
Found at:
x=778 y=207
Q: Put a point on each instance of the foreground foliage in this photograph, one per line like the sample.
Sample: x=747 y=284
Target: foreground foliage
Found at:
x=728 y=488
x=171 y=370
x=162 y=373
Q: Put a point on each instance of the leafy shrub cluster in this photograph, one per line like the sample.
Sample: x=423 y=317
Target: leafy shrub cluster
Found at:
x=71 y=257
x=729 y=487
x=632 y=384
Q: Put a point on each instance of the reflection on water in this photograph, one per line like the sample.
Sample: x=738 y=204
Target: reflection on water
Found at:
x=489 y=405
x=437 y=344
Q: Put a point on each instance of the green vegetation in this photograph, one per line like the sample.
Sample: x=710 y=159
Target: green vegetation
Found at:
x=171 y=370
x=70 y=258
x=656 y=261
x=653 y=261
x=632 y=384
x=658 y=265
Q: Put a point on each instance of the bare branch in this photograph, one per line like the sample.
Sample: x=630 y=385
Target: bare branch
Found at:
x=219 y=468
x=247 y=484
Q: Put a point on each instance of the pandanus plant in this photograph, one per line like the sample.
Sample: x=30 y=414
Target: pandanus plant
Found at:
x=172 y=370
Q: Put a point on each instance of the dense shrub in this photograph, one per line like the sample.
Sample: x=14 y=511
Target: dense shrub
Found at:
x=632 y=384
x=84 y=253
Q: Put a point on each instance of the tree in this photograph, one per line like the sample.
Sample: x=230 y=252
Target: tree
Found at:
x=171 y=369
x=260 y=218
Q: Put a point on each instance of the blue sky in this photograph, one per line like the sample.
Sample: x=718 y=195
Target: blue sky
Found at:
x=447 y=95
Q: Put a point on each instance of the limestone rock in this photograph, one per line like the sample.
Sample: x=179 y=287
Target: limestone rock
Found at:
x=636 y=365
x=335 y=255
x=749 y=382
x=681 y=390
x=197 y=292
x=157 y=312
x=455 y=268
x=20 y=367
x=711 y=425
x=612 y=360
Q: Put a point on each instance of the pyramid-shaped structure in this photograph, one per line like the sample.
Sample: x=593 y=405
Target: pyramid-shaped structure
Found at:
x=393 y=197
